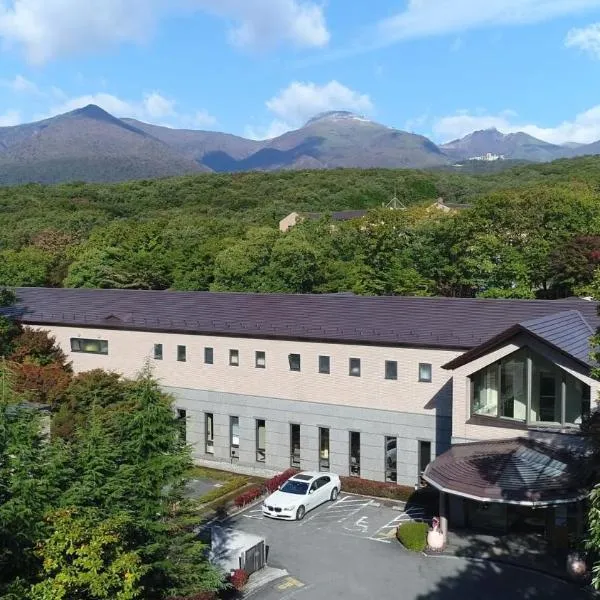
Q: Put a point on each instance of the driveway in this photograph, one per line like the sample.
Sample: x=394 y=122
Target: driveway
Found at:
x=347 y=550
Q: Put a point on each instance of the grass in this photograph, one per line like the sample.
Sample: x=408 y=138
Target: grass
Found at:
x=413 y=536
x=199 y=472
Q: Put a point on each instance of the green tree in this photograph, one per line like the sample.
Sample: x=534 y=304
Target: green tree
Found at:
x=26 y=267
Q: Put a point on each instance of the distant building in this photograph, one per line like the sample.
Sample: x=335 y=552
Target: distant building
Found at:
x=489 y=157
x=447 y=207
x=295 y=217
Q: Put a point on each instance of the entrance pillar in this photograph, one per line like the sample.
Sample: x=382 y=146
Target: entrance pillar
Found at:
x=444 y=516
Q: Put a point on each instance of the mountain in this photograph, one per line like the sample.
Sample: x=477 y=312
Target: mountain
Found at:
x=516 y=146
x=86 y=144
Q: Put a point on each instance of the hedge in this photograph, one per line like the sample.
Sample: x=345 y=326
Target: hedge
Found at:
x=355 y=485
x=413 y=536
x=226 y=488
x=252 y=494
x=239 y=579
x=249 y=496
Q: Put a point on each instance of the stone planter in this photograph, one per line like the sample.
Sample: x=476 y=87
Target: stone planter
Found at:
x=435 y=540
x=577 y=566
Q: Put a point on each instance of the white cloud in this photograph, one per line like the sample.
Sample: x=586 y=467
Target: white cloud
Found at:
x=424 y=18
x=584 y=128
x=21 y=85
x=48 y=29
x=300 y=101
x=586 y=39
x=9 y=118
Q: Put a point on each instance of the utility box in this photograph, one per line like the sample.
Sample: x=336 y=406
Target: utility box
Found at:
x=231 y=550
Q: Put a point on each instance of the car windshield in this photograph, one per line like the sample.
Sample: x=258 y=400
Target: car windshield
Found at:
x=294 y=487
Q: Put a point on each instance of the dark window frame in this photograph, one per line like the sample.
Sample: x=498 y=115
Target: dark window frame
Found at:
x=158 y=352
x=181 y=353
x=354 y=467
x=233 y=447
x=209 y=440
x=324 y=463
x=352 y=368
x=324 y=359
x=426 y=379
x=292 y=364
x=234 y=352
x=388 y=373
x=295 y=463
x=391 y=470
x=77 y=345
x=258 y=354
x=182 y=423
x=209 y=355
x=261 y=453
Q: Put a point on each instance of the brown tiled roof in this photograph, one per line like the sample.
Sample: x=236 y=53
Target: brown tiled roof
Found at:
x=453 y=323
x=516 y=471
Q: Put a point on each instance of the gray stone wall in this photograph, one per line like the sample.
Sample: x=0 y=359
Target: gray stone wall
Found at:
x=278 y=414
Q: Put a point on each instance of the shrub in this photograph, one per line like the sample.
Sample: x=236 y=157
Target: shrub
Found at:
x=239 y=579
x=413 y=536
x=248 y=496
x=227 y=488
x=272 y=484
x=199 y=596
x=366 y=487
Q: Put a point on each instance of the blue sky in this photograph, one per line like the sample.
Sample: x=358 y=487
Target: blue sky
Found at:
x=442 y=68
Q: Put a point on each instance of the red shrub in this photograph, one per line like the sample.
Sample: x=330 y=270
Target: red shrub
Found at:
x=239 y=578
x=377 y=488
x=272 y=484
x=248 y=496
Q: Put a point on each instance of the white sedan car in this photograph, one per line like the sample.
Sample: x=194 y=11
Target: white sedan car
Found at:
x=301 y=493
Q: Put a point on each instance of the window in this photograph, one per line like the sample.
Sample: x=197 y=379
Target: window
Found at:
x=354 y=454
x=89 y=346
x=324 y=364
x=323 y=449
x=513 y=386
x=209 y=356
x=391 y=459
x=391 y=369
x=295 y=446
x=294 y=360
x=182 y=422
x=260 y=360
x=424 y=456
x=158 y=352
x=355 y=367
x=234 y=436
x=234 y=358
x=261 y=431
x=209 y=433
x=425 y=372
x=181 y=353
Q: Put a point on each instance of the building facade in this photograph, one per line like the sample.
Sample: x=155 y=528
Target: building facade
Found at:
x=368 y=387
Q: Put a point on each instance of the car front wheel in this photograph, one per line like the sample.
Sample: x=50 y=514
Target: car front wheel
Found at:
x=334 y=494
x=300 y=513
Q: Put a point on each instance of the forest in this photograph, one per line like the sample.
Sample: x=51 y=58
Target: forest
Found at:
x=529 y=231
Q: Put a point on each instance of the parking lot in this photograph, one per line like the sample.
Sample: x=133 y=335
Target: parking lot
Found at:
x=347 y=549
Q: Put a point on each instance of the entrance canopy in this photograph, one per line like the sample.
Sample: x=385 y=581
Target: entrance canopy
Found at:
x=526 y=471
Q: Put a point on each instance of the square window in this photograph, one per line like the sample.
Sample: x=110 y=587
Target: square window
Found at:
x=209 y=356
x=425 y=372
x=181 y=353
x=391 y=369
x=294 y=360
x=324 y=364
x=260 y=360
x=158 y=351
x=234 y=358
x=355 y=367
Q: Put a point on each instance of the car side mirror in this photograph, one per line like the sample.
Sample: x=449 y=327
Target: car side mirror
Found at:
x=311 y=491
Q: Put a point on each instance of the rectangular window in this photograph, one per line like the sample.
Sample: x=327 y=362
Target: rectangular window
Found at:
x=354 y=454
x=295 y=446
x=89 y=346
x=323 y=449
x=209 y=433
x=234 y=436
x=354 y=367
x=424 y=456
x=261 y=434
x=260 y=360
x=182 y=422
x=324 y=364
x=181 y=353
x=391 y=459
x=391 y=369
x=485 y=392
x=425 y=372
x=158 y=352
x=513 y=387
x=294 y=360
x=209 y=356
x=234 y=358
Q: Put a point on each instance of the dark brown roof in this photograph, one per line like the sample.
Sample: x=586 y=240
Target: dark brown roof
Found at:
x=515 y=471
x=454 y=323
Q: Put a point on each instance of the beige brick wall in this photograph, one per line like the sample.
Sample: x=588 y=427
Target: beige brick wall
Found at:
x=129 y=349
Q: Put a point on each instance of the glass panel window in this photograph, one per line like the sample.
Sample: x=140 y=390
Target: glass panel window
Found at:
x=294 y=360
x=182 y=422
x=89 y=346
x=260 y=360
x=577 y=402
x=355 y=454
x=391 y=369
x=323 y=449
x=295 y=446
x=354 y=367
x=424 y=456
x=546 y=392
x=234 y=436
x=158 y=351
x=485 y=392
x=209 y=356
x=513 y=386
x=391 y=459
x=181 y=353
x=209 y=433
x=324 y=364
x=261 y=433
x=425 y=372
x=234 y=358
